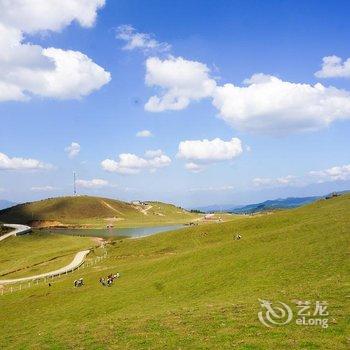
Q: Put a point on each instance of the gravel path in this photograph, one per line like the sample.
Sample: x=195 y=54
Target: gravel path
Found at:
x=22 y=229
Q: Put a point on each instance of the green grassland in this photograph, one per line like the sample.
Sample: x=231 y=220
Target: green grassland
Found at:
x=197 y=288
x=95 y=212
x=36 y=253
x=4 y=229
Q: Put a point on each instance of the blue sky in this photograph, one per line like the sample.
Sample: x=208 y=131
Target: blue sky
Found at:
x=274 y=137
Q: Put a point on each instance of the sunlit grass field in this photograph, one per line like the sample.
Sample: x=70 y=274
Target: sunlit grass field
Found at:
x=36 y=253
x=197 y=288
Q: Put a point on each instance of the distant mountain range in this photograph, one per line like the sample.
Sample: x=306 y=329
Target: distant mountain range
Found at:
x=280 y=203
x=6 y=204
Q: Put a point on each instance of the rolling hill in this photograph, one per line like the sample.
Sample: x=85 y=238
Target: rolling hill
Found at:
x=198 y=288
x=87 y=211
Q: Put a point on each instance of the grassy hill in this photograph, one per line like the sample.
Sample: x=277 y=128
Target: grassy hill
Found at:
x=94 y=212
x=198 y=288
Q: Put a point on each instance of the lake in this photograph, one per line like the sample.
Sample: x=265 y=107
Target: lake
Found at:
x=117 y=232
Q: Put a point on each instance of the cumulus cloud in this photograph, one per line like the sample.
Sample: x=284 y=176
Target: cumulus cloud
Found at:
x=33 y=16
x=73 y=149
x=27 y=69
x=336 y=173
x=144 y=133
x=129 y=163
x=201 y=152
x=334 y=67
x=263 y=104
x=181 y=81
x=47 y=188
x=16 y=163
x=94 y=183
x=271 y=105
x=142 y=41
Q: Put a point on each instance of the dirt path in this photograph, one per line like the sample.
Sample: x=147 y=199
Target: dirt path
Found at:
x=143 y=211
x=110 y=207
x=22 y=229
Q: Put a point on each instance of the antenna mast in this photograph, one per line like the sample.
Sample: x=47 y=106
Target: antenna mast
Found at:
x=74 y=184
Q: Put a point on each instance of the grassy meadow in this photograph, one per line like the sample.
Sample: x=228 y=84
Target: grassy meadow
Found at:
x=37 y=253
x=197 y=288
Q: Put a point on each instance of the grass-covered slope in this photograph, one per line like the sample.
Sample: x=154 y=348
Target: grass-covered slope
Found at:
x=93 y=212
x=4 y=229
x=197 y=288
x=36 y=253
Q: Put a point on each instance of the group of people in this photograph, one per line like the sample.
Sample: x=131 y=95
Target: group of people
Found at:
x=107 y=282
x=78 y=283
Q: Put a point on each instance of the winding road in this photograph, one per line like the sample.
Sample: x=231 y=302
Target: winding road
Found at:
x=18 y=230
x=21 y=230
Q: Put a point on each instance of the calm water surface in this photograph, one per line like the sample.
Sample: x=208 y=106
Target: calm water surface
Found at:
x=117 y=232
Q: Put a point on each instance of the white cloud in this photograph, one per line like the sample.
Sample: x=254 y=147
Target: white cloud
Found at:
x=262 y=181
x=32 y=16
x=335 y=173
x=198 y=153
x=27 y=69
x=43 y=188
x=141 y=41
x=271 y=105
x=129 y=163
x=180 y=80
x=144 y=133
x=280 y=181
x=207 y=151
x=193 y=167
x=73 y=149
x=334 y=67
x=16 y=163
x=94 y=183
x=264 y=104
x=286 y=180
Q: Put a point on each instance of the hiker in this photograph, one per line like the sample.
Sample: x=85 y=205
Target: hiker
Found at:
x=238 y=237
